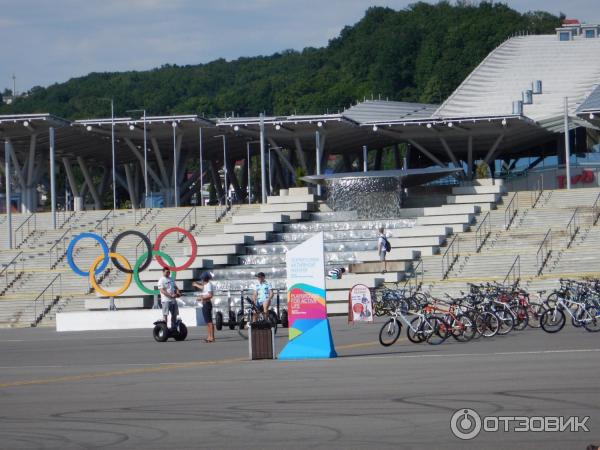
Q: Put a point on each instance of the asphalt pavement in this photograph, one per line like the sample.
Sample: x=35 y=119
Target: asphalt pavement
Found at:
x=122 y=390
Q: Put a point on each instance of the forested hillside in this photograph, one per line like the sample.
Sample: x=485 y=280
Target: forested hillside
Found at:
x=417 y=54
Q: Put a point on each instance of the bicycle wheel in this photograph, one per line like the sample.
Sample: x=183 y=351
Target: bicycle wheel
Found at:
x=593 y=323
x=522 y=318
x=535 y=312
x=241 y=325
x=553 y=320
x=466 y=329
x=578 y=318
x=487 y=324
x=551 y=300
x=506 y=322
x=414 y=332
x=441 y=330
x=390 y=332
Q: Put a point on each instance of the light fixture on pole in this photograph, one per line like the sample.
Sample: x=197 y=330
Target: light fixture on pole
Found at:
x=145 y=154
x=248 y=168
x=567 y=145
x=201 y=168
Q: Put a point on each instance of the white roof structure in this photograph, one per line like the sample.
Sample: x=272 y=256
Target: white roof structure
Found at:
x=566 y=68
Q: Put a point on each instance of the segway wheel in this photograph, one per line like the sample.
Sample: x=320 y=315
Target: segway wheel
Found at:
x=231 y=322
x=273 y=319
x=161 y=332
x=182 y=333
x=284 y=318
x=219 y=321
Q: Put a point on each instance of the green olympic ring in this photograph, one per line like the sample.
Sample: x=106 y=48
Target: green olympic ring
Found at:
x=138 y=263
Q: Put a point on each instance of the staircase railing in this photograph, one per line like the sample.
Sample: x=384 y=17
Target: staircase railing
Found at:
x=537 y=192
x=58 y=251
x=511 y=211
x=51 y=293
x=596 y=209
x=544 y=252
x=66 y=217
x=141 y=243
x=514 y=273
x=140 y=214
x=450 y=256
x=188 y=222
x=105 y=224
x=5 y=269
x=222 y=209
x=414 y=281
x=572 y=227
x=483 y=232
x=24 y=231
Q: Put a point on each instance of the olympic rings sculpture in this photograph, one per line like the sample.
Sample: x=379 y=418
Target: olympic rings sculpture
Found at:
x=122 y=264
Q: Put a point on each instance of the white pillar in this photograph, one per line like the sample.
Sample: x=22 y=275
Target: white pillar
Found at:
x=567 y=145
x=249 y=182
x=318 y=158
x=175 y=190
x=112 y=138
x=263 y=168
x=8 y=193
x=52 y=178
x=201 y=169
x=365 y=162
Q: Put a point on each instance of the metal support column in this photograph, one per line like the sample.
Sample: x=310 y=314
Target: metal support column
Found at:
x=365 y=160
x=8 y=193
x=567 y=145
x=249 y=176
x=201 y=168
x=175 y=193
x=263 y=168
x=52 y=178
x=318 y=158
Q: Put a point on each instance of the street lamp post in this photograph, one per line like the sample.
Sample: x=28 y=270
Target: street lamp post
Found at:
x=567 y=145
x=248 y=167
x=112 y=139
x=175 y=190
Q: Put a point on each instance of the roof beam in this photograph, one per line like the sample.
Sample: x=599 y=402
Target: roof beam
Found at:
x=426 y=152
x=492 y=150
x=139 y=156
x=449 y=151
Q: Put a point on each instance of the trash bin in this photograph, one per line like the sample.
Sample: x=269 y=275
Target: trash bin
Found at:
x=261 y=341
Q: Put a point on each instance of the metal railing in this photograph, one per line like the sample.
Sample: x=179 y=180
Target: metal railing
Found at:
x=189 y=221
x=596 y=209
x=12 y=263
x=50 y=295
x=537 y=192
x=450 y=256
x=140 y=214
x=483 y=232
x=141 y=243
x=511 y=211
x=66 y=217
x=57 y=252
x=24 y=231
x=544 y=252
x=514 y=273
x=104 y=225
x=221 y=211
x=414 y=280
x=572 y=227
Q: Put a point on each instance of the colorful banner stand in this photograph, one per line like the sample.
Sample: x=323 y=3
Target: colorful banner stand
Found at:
x=360 y=304
x=309 y=330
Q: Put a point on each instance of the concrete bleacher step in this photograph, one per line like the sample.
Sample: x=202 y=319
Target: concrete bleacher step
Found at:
x=397 y=254
x=422 y=241
x=350 y=280
x=377 y=267
x=120 y=303
x=306 y=198
x=473 y=198
x=253 y=228
x=287 y=207
x=261 y=218
x=476 y=190
x=449 y=219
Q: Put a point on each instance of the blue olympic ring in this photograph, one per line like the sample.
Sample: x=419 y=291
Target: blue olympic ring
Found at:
x=74 y=241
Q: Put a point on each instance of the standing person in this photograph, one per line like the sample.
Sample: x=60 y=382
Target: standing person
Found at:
x=205 y=297
x=263 y=294
x=382 y=244
x=168 y=295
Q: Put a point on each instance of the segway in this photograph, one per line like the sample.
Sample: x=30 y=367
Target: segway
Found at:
x=178 y=330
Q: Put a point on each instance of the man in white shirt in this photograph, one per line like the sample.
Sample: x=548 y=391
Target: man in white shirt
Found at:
x=205 y=297
x=168 y=295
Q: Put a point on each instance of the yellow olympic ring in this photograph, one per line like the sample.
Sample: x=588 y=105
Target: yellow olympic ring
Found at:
x=124 y=262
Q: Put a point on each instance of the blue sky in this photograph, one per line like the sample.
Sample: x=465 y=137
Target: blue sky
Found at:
x=45 y=42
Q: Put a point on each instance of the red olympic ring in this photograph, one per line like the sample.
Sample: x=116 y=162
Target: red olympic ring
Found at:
x=190 y=238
